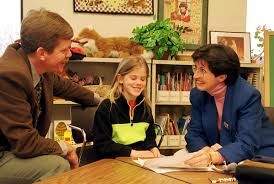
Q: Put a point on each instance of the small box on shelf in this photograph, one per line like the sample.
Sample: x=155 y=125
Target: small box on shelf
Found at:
x=164 y=141
x=184 y=96
x=162 y=96
x=172 y=96
x=182 y=140
x=173 y=140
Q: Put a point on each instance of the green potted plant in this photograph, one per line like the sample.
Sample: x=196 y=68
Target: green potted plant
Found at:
x=159 y=37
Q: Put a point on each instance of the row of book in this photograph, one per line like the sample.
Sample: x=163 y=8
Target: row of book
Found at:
x=183 y=81
x=251 y=77
x=175 y=81
x=173 y=125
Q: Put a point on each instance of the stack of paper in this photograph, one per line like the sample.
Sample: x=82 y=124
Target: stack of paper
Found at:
x=171 y=163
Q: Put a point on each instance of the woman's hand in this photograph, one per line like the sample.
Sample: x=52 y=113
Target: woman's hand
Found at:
x=155 y=152
x=203 y=158
x=199 y=159
x=215 y=147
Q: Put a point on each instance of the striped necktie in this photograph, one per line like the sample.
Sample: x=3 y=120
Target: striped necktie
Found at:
x=38 y=93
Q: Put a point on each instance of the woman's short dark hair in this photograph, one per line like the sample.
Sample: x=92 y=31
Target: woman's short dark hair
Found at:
x=221 y=59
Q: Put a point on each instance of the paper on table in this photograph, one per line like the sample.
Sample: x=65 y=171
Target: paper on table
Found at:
x=170 y=163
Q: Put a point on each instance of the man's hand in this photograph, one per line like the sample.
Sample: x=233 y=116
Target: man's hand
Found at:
x=72 y=157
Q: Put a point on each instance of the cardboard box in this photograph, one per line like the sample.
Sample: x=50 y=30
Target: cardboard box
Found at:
x=174 y=96
x=185 y=96
x=62 y=132
x=162 y=96
x=173 y=140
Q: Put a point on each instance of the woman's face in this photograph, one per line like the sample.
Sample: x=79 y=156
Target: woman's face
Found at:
x=205 y=79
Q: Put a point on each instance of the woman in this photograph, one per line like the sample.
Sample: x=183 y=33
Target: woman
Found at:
x=228 y=122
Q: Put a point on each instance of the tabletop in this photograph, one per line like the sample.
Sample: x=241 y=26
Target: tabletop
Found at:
x=111 y=171
x=188 y=177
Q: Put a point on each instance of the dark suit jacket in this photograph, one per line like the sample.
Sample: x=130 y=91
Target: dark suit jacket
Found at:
x=245 y=129
x=18 y=107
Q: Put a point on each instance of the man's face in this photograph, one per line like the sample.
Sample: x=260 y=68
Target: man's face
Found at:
x=56 y=61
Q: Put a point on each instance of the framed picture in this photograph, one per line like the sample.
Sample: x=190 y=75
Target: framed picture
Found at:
x=189 y=17
x=137 y=7
x=239 y=41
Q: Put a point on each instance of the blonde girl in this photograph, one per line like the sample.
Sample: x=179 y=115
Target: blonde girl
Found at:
x=123 y=124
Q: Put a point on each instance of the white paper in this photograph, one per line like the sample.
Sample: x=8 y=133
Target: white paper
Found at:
x=171 y=163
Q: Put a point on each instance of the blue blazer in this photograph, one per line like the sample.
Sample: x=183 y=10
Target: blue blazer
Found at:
x=245 y=129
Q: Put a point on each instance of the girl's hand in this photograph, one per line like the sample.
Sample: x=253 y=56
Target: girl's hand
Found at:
x=141 y=154
x=155 y=152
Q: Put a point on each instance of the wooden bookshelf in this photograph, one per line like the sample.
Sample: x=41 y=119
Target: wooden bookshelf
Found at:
x=253 y=71
x=107 y=67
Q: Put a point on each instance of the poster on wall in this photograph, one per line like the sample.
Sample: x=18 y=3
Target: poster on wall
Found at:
x=238 y=41
x=137 y=7
x=189 y=17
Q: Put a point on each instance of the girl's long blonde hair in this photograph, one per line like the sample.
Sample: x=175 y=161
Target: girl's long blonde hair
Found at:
x=127 y=65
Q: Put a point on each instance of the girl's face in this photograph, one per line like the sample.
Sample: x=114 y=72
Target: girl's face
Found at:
x=205 y=79
x=133 y=83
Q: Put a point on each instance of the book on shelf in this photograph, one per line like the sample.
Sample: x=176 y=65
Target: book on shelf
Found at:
x=175 y=81
x=161 y=120
x=250 y=76
x=173 y=125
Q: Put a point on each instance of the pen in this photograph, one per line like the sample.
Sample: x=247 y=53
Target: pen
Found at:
x=223 y=180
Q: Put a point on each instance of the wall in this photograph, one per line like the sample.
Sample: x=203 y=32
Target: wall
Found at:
x=105 y=24
x=223 y=15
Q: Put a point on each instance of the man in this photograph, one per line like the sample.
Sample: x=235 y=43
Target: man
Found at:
x=28 y=84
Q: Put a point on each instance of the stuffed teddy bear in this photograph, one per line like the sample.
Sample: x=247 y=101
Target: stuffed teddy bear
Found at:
x=111 y=47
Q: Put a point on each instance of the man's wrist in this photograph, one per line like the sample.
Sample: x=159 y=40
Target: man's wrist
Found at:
x=63 y=145
x=96 y=99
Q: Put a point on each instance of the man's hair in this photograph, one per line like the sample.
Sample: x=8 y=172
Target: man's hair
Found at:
x=221 y=59
x=42 y=28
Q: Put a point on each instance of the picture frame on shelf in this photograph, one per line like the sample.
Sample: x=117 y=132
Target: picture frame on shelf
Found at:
x=238 y=41
x=140 y=7
x=189 y=17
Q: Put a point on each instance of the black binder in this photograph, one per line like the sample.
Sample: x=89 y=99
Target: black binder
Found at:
x=251 y=172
